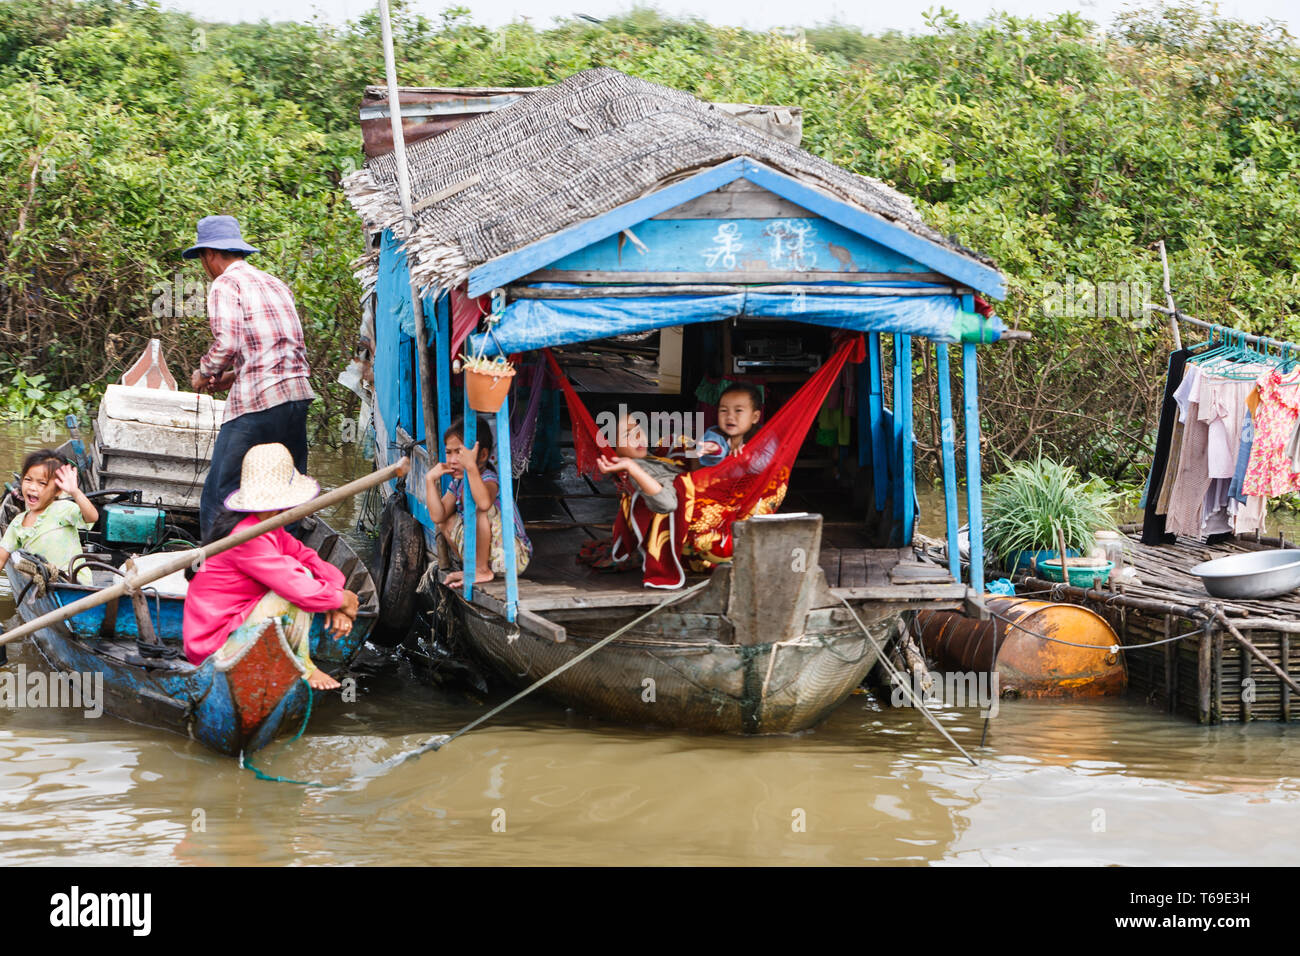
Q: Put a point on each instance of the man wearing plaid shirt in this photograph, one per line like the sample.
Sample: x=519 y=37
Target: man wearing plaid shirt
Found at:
x=258 y=354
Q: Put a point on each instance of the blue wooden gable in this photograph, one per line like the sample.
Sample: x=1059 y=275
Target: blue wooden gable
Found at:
x=730 y=248
x=838 y=236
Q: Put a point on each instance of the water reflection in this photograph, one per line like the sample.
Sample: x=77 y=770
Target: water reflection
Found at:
x=1091 y=782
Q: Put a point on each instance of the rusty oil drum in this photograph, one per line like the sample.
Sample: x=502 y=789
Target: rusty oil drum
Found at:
x=1028 y=666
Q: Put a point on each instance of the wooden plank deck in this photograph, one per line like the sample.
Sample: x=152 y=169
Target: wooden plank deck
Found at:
x=555 y=581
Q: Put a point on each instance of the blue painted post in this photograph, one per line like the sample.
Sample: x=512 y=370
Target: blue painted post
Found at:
x=864 y=415
x=506 y=478
x=947 y=436
x=896 y=440
x=469 y=514
x=442 y=372
x=876 y=404
x=974 y=505
x=904 y=412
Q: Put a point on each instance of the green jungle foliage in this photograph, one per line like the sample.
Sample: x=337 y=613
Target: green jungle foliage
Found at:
x=1061 y=148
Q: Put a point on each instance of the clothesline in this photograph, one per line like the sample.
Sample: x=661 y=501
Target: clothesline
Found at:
x=1201 y=323
x=1228 y=438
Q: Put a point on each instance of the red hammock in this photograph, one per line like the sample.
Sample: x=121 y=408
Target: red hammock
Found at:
x=711 y=499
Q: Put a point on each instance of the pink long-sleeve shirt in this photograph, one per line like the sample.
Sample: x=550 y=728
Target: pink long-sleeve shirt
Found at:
x=230 y=584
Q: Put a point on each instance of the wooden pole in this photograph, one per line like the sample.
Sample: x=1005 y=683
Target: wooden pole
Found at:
x=134 y=581
x=1256 y=653
x=1169 y=299
x=404 y=195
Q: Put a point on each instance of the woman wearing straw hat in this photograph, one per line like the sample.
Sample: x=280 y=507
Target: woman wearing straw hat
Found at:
x=273 y=575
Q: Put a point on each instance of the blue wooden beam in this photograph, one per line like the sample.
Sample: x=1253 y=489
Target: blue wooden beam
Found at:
x=876 y=408
x=506 y=268
x=469 y=514
x=939 y=258
x=947 y=444
x=974 y=502
x=505 y=478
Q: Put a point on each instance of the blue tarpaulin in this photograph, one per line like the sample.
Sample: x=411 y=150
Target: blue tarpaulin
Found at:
x=534 y=323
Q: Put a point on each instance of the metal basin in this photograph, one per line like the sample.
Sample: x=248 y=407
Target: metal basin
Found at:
x=1259 y=574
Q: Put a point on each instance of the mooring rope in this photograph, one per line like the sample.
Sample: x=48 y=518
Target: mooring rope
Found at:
x=901 y=681
x=1110 y=649
x=441 y=740
x=246 y=761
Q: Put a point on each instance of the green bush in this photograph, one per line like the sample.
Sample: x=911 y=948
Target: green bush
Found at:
x=1061 y=148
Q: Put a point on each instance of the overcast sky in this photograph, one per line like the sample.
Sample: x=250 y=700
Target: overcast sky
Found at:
x=753 y=14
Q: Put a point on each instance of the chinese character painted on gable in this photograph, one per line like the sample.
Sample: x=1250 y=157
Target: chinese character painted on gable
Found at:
x=726 y=243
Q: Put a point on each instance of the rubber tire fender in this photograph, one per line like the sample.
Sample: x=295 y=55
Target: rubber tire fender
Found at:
x=402 y=571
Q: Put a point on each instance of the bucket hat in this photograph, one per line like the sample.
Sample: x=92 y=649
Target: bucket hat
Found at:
x=269 y=482
x=218 y=232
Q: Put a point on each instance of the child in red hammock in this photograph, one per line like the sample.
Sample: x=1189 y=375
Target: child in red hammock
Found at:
x=647 y=508
x=652 y=476
x=740 y=409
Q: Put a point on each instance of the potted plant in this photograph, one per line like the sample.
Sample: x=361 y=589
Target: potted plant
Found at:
x=487 y=381
x=1026 y=504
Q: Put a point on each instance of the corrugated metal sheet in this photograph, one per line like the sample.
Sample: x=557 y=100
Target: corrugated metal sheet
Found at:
x=430 y=111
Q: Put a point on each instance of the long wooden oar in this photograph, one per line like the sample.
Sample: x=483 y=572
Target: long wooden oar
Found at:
x=185 y=559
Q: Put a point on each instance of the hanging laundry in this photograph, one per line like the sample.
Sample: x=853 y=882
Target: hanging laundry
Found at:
x=1269 y=472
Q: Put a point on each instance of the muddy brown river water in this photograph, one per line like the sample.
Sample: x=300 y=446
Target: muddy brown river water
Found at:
x=1100 y=782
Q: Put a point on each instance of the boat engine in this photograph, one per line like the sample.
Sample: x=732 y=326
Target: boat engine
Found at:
x=132 y=524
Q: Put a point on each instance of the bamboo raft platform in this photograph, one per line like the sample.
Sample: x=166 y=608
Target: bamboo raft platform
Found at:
x=1230 y=665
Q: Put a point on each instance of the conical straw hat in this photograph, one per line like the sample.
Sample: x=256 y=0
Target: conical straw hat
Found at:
x=269 y=482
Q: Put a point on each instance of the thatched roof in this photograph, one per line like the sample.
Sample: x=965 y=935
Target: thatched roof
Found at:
x=570 y=152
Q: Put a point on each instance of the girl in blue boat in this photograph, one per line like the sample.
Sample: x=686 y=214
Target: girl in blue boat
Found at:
x=273 y=575
x=470 y=468
x=51 y=524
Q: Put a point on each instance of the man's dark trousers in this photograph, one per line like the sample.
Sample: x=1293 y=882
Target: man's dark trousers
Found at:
x=285 y=423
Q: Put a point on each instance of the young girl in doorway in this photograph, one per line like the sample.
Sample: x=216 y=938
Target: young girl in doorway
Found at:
x=471 y=467
x=50 y=525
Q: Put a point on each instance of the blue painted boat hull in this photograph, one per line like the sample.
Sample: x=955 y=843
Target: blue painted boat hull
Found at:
x=230 y=711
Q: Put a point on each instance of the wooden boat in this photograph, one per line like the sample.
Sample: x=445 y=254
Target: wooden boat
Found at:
x=232 y=706
x=728 y=659
x=159 y=440
x=745 y=252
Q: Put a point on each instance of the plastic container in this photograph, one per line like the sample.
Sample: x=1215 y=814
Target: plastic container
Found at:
x=1086 y=574
x=1110 y=544
x=1028 y=560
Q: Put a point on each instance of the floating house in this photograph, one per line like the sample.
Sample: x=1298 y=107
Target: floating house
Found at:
x=660 y=245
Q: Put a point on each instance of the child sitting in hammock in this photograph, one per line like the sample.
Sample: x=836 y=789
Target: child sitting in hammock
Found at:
x=647 y=519
x=471 y=467
x=739 y=409
x=652 y=476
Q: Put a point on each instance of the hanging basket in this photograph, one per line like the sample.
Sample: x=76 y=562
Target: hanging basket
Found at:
x=487 y=384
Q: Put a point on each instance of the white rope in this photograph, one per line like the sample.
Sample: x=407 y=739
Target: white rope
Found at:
x=441 y=740
x=898 y=678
